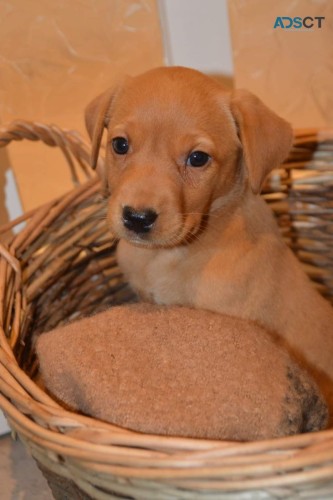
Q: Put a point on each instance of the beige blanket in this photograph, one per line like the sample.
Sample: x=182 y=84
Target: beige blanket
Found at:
x=180 y=372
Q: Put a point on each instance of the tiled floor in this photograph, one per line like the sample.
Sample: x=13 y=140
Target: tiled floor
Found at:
x=20 y=478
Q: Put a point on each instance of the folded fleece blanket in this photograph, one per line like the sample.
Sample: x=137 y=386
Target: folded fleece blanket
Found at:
x=180 y=372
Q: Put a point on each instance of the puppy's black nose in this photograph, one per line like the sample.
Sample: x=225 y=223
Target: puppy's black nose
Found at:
x=139 y=221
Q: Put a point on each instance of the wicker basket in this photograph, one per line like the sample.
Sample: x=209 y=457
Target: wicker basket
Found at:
x=61 y=265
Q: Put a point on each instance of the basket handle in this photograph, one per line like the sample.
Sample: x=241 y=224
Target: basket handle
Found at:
x=72 y=145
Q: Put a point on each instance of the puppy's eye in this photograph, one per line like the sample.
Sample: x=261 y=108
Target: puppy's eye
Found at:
x=197 y=159
x=120 y=145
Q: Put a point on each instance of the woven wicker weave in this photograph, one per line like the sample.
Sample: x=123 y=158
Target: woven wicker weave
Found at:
x=61 y=265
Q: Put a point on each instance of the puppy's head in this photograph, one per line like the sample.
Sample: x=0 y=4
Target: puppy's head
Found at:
x=178 y=149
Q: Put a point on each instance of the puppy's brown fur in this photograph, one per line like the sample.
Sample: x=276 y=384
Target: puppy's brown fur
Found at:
x=215 y=244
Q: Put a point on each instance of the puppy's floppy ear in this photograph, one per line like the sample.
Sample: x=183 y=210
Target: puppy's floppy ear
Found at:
x=97 y=115
x=266 y=138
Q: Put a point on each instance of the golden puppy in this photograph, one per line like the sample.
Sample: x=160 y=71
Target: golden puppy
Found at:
x=185 y=162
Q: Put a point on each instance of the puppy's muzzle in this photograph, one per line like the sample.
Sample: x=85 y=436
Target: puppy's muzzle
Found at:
x=139 y=221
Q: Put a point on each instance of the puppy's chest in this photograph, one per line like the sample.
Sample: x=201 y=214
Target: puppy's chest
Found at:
x=157 y=275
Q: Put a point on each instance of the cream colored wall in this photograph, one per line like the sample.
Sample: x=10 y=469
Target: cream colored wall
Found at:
x=196 y=34
x=289 y=69
x=54 y=58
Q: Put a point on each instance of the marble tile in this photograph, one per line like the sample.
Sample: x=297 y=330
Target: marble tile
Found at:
x=20 y=478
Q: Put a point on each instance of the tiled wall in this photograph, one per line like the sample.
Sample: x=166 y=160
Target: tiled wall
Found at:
x=289 y=66
x=54 y=58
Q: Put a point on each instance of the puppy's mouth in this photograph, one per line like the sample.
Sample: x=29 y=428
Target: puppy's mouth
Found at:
x=179 y=230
